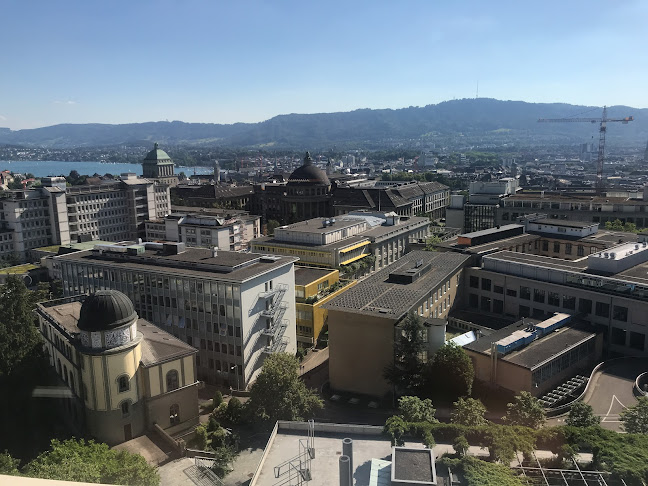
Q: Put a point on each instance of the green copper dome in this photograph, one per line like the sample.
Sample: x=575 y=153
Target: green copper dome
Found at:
x=156 y=155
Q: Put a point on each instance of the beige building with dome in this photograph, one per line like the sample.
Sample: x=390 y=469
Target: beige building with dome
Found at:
x=124 y=374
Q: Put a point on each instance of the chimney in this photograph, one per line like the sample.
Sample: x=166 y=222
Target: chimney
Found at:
x=214 y=252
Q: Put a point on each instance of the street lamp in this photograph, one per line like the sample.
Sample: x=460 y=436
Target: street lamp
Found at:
x=233 y=368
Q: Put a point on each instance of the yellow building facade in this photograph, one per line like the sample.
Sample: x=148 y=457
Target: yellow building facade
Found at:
x=125 y=375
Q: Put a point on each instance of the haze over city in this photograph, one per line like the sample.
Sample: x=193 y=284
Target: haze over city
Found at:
x=122 y=62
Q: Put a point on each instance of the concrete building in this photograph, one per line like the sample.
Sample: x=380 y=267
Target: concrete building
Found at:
x=124 y=375
x=575 y=207
x=314 y=287
x=203 y=230
x=344 y=455
x=111 y=210
x=236 y=308
x=363 y=320
x=535 y=355
x=346 y=239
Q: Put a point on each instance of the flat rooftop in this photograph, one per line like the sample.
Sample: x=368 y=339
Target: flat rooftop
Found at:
x=368 y=444
x=491 y=231
x=306 y=275
x=197 y=262
x=378 y=295
x=540 y=261
x=538 y=351
x=317 y=226
x=564 y=223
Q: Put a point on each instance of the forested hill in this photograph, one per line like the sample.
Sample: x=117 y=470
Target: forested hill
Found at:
x=480 y=120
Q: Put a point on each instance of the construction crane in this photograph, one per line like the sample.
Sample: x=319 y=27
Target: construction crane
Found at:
x=601 y=150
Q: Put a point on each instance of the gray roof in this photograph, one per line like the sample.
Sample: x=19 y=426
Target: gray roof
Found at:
x=193 y=262
x=538 y=351
x=563 y=222
x=491 y=231
x=379 y=296
x=306 y=275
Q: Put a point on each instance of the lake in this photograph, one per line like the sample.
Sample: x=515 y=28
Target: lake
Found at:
x=44 y=168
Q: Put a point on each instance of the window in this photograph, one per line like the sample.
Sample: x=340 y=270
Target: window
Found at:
x=568 y=248
x=545 y=246
x=125 y=408
x=498 y=289
x=203 y=344
x=174 y=414
x=580 y=251
x=585 y=306
x=569 y=302
x=554 y=299
x=486 y=284
x=511 y=292
x=172 y=380
x=637 y=340
x=498 y=306
x=474 y=282
x=602 y=309
x=618 y=336
x=620 y=313
x=123 y=384
x=485 y=304
x=525 y=293
x=556 y=247
x=538 y=295
x=473 y=300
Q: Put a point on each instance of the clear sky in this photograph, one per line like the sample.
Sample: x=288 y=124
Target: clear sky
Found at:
x=223 y=61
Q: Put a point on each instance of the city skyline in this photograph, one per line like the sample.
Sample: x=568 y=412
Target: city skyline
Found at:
x=213 y=63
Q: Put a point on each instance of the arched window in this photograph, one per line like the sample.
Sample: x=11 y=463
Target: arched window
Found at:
x=123 y=383
x=65 y=373
x=172 y=380
x=125 y=408
x=174 y=414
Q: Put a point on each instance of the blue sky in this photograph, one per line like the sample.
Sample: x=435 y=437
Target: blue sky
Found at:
x=226 y=61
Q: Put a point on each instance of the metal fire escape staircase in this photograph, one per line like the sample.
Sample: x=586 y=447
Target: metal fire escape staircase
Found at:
x=274 y=312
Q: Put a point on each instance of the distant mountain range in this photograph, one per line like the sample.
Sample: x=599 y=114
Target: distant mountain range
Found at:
x=472 y=121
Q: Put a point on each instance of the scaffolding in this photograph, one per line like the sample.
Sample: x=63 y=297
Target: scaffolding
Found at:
x=297 y=470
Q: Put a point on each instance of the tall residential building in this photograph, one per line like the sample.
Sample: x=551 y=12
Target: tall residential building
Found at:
x=231 y=232
x=124 y=374
x=236 y=308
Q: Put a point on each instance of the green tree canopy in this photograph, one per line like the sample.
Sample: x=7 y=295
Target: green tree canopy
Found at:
x=450 y=361
x=8 y=465
x=582 y=415
x=469 y=411
x=18 y=335
x=406 y=372
x=92 y=462
x=525 y=410
x=413 y=409
x=635 y=418
x=279 y=394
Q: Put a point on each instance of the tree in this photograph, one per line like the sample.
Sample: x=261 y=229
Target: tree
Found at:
x=279 y=394
x=460 y=445
x=469 y=411
x=525 y=410
x=271 y=226
x=413 y=409
x=218 y=399
x=234 y=410
x=635 y=418
x=201 y=437
x=182 y=176
x=450 y=361
x=18 y=335
x=406 y=372
x=8 y=465
x=582 y=415
x=395 y=428
x=431 y=242
x=92 y=462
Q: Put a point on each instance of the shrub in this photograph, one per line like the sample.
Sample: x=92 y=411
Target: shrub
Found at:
x=218 y=399
x=201 y=437
x=460 y=445
x=234 y=410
